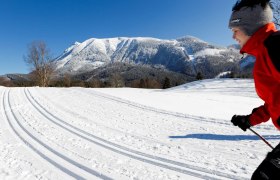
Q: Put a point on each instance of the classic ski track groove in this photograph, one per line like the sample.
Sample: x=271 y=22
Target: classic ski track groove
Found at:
x=160 y=111
x=109 y=128
x=134 y=154
x=152 y=109
x=73 y=114
x=107 y=144
x=69 y=160
x=28 y=144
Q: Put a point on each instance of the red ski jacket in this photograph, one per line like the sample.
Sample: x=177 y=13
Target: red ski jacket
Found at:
x=265 y=46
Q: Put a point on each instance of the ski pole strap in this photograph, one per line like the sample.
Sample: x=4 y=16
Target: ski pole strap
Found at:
x=261 y=138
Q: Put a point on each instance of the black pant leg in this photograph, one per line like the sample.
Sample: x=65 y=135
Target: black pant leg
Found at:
x=269 y=169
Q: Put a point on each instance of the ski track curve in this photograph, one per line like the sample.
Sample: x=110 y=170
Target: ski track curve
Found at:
x=59 y=166
x=96 y=123
x=6 y=108
x=147 y=158
x=59 y=107
x=160 y=111
x=152 y=109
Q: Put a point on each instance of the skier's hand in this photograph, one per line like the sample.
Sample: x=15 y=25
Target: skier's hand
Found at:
x=241 y=121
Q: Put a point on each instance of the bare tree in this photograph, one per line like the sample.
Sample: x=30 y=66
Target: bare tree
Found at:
x=276 y=16
x=39 y=59
x=4 y=81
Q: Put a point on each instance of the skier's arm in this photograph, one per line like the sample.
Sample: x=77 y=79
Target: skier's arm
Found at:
x=259 y=115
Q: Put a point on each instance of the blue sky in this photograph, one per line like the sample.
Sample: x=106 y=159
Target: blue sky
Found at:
x=60 y=23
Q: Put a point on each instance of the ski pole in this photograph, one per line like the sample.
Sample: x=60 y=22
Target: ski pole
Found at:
x=262 y=138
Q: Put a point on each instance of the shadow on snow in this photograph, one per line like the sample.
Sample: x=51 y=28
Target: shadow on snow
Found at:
x=224 y=137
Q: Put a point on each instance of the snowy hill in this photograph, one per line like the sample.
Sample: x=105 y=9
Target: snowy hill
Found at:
x=173 y=134
x=185 y=55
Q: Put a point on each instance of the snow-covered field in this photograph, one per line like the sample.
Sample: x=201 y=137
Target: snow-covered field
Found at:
x=178 y=133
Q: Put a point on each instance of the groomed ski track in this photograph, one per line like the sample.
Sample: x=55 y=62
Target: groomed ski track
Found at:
x=33 y=102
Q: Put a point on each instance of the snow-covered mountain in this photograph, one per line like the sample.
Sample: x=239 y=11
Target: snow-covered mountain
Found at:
x=185 y=55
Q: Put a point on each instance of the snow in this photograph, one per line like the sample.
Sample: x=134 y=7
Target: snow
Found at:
x=178 y=133
x=209 y=52
x=191 y=38
x=223 y=74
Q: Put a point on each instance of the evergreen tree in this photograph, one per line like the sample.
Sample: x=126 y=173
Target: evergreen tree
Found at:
x=142 y=83
x=166 y=83
x=199 y=76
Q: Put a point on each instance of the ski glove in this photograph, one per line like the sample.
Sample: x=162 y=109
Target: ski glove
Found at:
x=241 y=121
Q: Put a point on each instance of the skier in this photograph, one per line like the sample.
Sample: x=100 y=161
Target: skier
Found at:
x=252 y=27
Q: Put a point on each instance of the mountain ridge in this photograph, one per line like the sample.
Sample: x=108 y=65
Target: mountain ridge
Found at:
x=185 y=55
